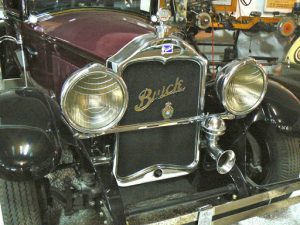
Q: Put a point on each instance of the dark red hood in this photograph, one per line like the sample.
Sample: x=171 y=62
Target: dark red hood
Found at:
x=99 y=32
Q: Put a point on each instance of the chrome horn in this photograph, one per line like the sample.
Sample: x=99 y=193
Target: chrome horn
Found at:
x=214 y=127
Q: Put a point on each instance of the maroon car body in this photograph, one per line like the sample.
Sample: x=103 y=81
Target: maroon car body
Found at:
x=69 y=40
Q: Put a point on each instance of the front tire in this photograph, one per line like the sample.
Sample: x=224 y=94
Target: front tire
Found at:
x=277 y=153
x=284 y=156
x=19 y=203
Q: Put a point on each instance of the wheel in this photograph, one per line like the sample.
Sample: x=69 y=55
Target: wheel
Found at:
x=272 y=156
x=19 y=203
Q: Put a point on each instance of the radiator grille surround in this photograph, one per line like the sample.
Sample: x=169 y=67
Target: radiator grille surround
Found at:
x=170 y=145
x=174 y=151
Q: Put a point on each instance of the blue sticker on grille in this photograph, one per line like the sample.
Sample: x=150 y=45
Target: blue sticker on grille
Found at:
x=167 y=49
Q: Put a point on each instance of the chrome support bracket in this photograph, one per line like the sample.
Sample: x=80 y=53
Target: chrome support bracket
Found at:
x=205 y=215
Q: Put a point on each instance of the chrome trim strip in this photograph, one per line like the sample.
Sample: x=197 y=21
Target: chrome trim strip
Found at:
x=144 y=48
x=147 y=175
x=148 y=125
x=257 y=211
x=242 y=203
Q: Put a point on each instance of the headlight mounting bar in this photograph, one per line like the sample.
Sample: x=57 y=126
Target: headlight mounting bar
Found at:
x=156 y=124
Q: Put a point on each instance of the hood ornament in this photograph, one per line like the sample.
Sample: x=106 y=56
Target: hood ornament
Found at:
x=162 y=17
x=168 y=111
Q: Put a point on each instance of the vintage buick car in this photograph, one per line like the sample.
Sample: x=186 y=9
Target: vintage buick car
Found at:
x=117 y=94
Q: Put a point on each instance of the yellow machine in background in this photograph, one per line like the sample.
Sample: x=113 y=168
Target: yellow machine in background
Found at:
x=293 y=55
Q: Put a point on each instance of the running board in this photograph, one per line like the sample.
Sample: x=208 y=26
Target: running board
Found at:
x=237 y=210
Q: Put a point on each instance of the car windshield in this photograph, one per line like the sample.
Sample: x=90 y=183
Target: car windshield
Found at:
x=42 y=6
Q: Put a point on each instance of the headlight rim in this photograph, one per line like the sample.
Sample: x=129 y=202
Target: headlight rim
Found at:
x=81 y=74
x=225 y=77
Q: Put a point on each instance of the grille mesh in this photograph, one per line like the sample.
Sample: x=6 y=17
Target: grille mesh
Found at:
x=169 y=145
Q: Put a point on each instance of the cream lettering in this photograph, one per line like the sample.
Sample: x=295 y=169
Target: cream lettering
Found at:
x=148 y=96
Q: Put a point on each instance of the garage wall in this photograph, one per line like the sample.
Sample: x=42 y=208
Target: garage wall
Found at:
x=256 y=5
x=257 y=44
x=262 y=44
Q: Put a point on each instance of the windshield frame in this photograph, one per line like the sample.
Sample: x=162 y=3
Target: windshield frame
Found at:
x=52 y=10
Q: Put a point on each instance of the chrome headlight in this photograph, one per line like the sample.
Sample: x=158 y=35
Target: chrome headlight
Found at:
x=94 y=99
x=241 y=86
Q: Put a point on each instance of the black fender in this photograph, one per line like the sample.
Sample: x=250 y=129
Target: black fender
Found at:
x=280 y=107
x=30 y=146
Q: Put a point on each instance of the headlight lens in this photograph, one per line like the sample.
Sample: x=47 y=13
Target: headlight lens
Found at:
x=241 y=86
x=94 y=99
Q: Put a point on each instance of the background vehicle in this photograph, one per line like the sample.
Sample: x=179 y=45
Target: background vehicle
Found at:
x=126 y=105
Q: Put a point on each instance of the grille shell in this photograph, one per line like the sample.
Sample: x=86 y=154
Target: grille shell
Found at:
x=170 y=145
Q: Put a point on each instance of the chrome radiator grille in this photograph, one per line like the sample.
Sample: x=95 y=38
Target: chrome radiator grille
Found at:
x=164 y=88
x=152 y=86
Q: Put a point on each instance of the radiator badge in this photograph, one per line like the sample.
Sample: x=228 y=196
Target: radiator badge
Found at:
x=168 y=111
x=148 y=96
x=167 y=49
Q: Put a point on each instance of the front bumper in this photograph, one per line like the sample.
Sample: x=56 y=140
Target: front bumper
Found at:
x=229 y=212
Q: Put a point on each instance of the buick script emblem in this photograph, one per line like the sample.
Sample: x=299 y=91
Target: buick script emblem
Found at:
x=148 y=96
x=168 y=111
